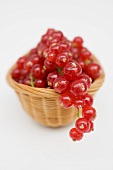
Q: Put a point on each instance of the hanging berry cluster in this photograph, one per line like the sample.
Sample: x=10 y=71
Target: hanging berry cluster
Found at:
x=68 y=68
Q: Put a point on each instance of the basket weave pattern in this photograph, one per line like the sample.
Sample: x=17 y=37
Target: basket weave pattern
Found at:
x=42 y=103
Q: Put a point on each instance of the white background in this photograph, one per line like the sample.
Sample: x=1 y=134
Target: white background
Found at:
x=26 y=145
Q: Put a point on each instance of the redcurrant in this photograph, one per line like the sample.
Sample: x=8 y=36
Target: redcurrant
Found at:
x=75 y=134
x=66 y=100
x=88 y=112
x=61 y=85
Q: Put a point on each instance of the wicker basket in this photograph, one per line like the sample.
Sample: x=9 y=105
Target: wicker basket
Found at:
x=42 y=103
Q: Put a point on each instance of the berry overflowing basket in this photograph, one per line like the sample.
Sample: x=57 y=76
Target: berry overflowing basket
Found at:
x=56 y=82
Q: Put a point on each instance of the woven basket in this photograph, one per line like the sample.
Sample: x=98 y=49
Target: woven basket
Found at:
x=42 y=103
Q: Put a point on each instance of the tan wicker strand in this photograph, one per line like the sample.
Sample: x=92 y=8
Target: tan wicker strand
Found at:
x=42 y=103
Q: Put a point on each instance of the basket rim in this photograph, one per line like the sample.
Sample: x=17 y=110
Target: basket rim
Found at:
x=28 y=90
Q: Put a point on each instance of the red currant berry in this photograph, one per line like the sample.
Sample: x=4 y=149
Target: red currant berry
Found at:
x=82 y=125
x=69 y=55
x=52 y=40
x=23 y=73
x=85 y=78
x=41 y=46
x=72 y=70
x=77 y=42
x=27 y=81
x=66 y=100
x=34 y=58
x=88 y=99
x=40 y=83
x=61 y=60
x=64 y=45
x=49 y=66
x=61 y=85
x=78 y=102
x=44 y=38
x=44 y=53
x=55 y=47
x=37 y=71
x=93 y=70
x=28 y=65
x=51 y=77
x=81 y=63
x=21 y=62
x=78 y=87
x=75 y=52
x=20 y=81
x=33 y=51
x=88 y=112
x=91 y=126
x=51 y=56
x=83 y=49
x=57 y=34
x=16 y=73
x=75 y=134
x=50 y=31
x=85 y=55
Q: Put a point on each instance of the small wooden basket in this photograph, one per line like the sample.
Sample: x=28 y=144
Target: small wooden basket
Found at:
x=42 y=103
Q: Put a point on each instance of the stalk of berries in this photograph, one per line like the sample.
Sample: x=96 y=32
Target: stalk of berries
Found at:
x=68 y=68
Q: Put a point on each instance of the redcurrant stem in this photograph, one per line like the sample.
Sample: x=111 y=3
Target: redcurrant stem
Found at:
x=79 y=111
x=59 y=70
x=32 y=82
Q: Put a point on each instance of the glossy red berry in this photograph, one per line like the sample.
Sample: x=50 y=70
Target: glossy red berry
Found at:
x=85 y=55
x=27 y=81
x=64 y=45
x=40 y=83
x=72 y=70
x=78 y=87
x=57 y=34
x=33 y=51
x=34 y=59
x=69 y=55
x=85 y=78
x=16 y=73
x=91 y=126
x=81 y=63
x=77 y=42
x=88 y=99
x=44 y=38
x=88 y=112
x=61 y=85
x=23 y=73
x=75 y=52
x=37 y=71
x=51 y=56
x=78 y=102
x=61 y=60
x=28 y=65
x=51 y=77
x=49 y=66
x=44 y=53
x=83 y=49
x=20 y=81
x=82 y=125
x=21 y=62
x=75 y=134
x=56 y=48
x=93 y=70
x=52 y=40
x=50 y=31
x=66 y=100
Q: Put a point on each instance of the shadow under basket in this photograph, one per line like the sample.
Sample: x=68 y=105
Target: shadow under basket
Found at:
x=42 y=104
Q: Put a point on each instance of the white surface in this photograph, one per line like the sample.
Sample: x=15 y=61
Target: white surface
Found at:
x=25 y=144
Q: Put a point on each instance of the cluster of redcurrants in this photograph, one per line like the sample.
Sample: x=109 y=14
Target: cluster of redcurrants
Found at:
x=68 y=68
